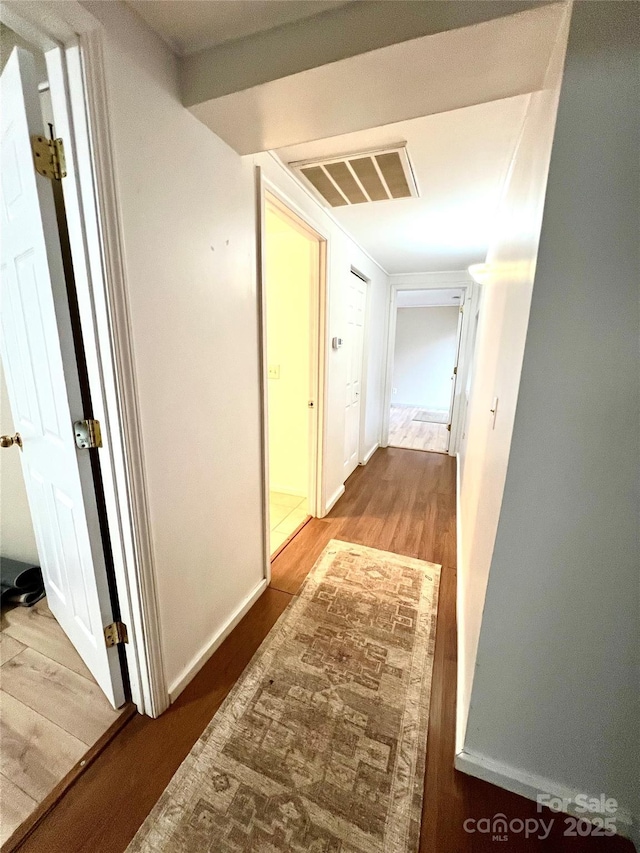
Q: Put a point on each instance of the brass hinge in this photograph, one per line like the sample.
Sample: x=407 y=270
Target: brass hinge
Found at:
x=455 y=370
x=115 y=633
x=88 y=434
x=48 y=157
x=449 y=427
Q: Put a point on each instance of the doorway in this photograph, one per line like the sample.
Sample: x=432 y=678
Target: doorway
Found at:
x=293 y=264
x=63 y=683
x=424 y=369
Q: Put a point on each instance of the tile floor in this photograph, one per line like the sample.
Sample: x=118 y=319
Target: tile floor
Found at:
x=52 y=710
x=286 y=512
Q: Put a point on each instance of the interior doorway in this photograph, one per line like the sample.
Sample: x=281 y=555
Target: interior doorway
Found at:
x=292 y=275
x=62 y=682
x=424 y=369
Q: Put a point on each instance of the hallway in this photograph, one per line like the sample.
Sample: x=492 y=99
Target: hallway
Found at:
x=402 y=501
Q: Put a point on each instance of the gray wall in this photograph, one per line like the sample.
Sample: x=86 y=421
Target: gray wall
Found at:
x=424 y=357
x=555 y=692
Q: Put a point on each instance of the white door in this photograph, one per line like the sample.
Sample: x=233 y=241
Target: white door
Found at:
x=44 y=390
x=357 y=298
x=454 y=378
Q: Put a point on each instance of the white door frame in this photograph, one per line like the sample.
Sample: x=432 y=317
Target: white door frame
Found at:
x=431 y=281
x=72 y=41
x=265 y=188
x=363 y=456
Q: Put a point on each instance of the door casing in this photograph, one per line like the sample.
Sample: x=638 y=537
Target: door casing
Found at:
x=268 y=192
x=72 y=41
x=431 y=281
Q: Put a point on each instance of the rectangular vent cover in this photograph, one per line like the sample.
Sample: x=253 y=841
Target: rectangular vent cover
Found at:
x=359 y=178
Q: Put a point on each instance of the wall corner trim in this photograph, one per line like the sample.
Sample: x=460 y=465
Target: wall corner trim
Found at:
x=195 y=665
x=529 y=785
x=333 y=500
x=370 y=453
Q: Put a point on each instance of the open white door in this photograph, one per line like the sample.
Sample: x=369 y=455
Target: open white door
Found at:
x=357 y=296
x=44 y=390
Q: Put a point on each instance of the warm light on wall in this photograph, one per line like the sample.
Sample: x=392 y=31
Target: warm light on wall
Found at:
x=480 y=273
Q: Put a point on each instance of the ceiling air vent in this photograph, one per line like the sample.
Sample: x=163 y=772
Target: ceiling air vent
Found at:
x=358 y=178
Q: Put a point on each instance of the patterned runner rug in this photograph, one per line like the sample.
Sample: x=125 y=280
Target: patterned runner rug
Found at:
x=320 y=747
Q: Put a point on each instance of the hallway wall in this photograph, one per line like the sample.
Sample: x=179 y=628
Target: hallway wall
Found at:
x=555 y=698
x=502 y=329
x=187 y=204
x=425 y=353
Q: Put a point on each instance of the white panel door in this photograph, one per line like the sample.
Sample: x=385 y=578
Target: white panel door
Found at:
x=356 y=307
x=44 y=390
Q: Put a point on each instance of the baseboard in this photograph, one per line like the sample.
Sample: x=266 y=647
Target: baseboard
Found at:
x=529 y=785
x=286 y=490
x=370 y=453
x=333 y=500
x=461 y=712
x=194 y=667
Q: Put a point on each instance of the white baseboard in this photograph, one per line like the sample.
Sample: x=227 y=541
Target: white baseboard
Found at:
x=370 y=453
x=333 y=500
x=529 y=785
x=461 y=712
x=194 y=667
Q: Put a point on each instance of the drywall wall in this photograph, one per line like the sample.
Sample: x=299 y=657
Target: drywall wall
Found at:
x=187 y=205
x=292 y=270
x=555 y=693
x=188 y=222
x=507 y=288
x=446 y=71
x=424 y=357
x=350 y=29
x=17 y=538
x=343 y=255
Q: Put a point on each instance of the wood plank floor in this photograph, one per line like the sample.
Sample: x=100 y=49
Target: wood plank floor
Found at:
x=410 y=434
x=51 y=710
x=402 y=501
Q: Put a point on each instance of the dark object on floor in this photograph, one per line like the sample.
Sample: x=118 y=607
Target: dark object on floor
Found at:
x=21 y=583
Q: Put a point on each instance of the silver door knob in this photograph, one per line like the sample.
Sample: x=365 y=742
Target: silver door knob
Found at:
x=10 y=440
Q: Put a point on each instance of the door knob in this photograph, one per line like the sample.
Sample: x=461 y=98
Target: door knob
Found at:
x=10 y=440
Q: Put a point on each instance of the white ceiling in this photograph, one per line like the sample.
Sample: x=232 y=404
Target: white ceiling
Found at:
x=432 y=298
x=192 y=25
x=460 y=159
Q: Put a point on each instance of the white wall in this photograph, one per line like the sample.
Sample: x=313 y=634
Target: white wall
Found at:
x=188 y=218
x=424 y=357
x=342 y=255
x=484 y=452
x=292 y=264
x=17 y=539
x=187 y=209
x=555 y=693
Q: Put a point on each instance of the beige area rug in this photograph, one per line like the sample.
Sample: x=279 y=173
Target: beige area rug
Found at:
x=320 y=747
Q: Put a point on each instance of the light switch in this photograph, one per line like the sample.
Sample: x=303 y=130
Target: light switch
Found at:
x=274 y=371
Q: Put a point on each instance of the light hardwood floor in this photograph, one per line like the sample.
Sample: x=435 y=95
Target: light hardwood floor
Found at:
x=51 y=711
x=405 y=432
x=286 y=513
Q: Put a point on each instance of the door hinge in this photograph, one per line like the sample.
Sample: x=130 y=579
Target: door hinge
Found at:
x=455 y=371
x=48 y=157
x=88 y=434
x=115 y=634
x=449 y=427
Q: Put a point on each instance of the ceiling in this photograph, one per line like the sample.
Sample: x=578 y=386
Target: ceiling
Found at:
x=460 y=159
x=432 y=298
x=192 y=25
